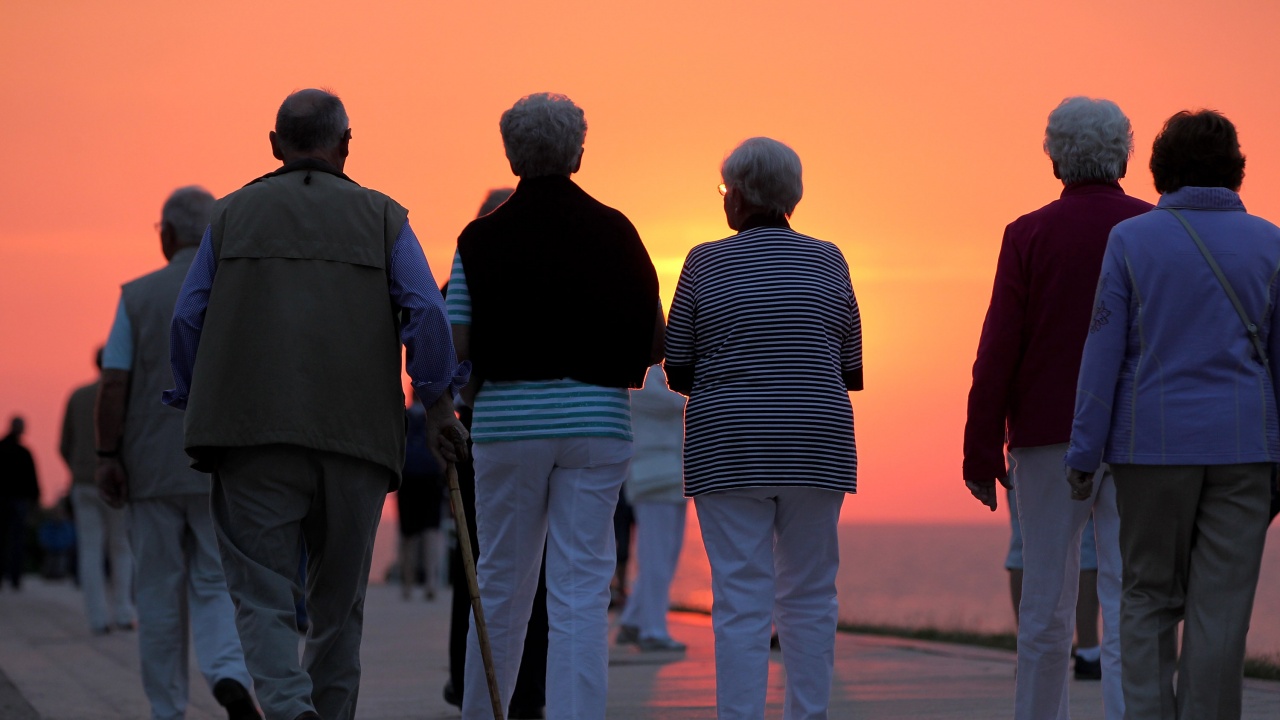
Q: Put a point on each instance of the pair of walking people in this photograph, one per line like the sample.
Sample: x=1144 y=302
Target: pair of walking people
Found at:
x=554 y=299
x=1155 y=396
x=277 y=324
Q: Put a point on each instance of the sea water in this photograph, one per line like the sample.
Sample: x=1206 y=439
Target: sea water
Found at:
x=948 y=577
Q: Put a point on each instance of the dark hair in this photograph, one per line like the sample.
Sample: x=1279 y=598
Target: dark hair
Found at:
x=97 y=358
x=1197 y=149
x=311 y=120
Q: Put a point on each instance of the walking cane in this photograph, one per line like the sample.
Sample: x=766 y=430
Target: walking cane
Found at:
x=473 y=586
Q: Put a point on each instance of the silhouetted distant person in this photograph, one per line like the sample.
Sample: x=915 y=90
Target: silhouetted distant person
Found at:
x=530 y=694
x=141 y=462
x=56 y=534
x=655 y=487
x=1024 y=379
x=555 y=299
x=418 y=501
x=19 y=493
x=102 y=532
x=286 y=352
x=765 y=338
x=1177 y=394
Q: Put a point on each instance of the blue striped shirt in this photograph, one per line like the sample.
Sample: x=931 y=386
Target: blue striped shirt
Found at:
x=535 y=410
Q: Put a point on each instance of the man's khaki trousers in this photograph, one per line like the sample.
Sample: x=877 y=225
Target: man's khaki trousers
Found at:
x=266 y=501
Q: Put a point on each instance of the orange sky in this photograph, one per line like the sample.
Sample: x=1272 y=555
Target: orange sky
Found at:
x=919 y=125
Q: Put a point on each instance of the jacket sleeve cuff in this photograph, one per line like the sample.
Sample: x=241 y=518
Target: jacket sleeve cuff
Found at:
x=431 y=391
x=853 y=379
x=1083 y=461
x=680 y=378
x=174 y=400
x=984 y=469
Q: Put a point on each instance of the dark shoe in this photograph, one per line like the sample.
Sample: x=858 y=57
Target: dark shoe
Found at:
x=308 y=715
x=627 y=635
x=662 y=645
x=127 y=626
x=451 y=695
x=236 y=699
x=1088 y=669
x=523 y=713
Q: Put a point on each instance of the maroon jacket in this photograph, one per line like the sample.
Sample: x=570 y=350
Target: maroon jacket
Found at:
x=1024 y=378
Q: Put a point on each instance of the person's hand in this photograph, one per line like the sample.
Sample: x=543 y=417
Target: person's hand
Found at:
x=113 y=482
x=447 y=439
x=985 y=491
x=1081 y=484
x=446 y=435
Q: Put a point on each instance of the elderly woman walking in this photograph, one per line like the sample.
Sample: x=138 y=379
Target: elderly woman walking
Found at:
x=555 y=301
x=1024 y=381
x=1177 y=394
x=764 y=337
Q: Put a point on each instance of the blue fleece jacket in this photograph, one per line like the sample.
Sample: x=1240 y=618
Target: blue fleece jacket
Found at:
x=1169 y=375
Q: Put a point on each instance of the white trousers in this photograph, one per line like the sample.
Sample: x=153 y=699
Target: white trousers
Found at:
x=774 y=553
x=180 y=581
x=1052 y=524
x=102 y=532
x=659 y=537
x=562 y=492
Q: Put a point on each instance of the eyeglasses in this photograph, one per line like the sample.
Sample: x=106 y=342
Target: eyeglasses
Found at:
x=724 y=190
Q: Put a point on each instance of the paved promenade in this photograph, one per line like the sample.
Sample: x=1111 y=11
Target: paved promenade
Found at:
x=51 y=669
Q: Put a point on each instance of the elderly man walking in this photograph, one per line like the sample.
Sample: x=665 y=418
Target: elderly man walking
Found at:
x=1024 y=382
x=141 y=461
x=286 y=355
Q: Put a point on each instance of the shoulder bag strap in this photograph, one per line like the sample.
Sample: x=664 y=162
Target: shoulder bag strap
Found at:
x=1249 y=326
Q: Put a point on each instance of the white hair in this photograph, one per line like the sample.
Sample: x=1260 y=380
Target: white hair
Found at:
x=1088 y=139
x=188 y=210
x=543 y=135
x=766 y=173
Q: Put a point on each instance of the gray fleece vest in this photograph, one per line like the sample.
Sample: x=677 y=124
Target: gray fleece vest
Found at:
x=301 y=342
x=152 y=451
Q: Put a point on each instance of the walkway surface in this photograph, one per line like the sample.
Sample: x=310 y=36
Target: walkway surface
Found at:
x=52 y=669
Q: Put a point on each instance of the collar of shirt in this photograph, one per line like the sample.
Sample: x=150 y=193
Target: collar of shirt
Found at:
x=183 y=252
x=1202 y=198
x=1087 y=187
x=760 y=220
x=308 y=164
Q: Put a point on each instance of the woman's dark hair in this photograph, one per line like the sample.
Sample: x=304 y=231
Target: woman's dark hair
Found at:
x=1197 y=149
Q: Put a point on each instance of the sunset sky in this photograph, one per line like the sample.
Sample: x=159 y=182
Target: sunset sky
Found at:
x=919 y=125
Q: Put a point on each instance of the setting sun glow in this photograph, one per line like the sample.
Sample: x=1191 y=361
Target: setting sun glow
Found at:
x=919 y=125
